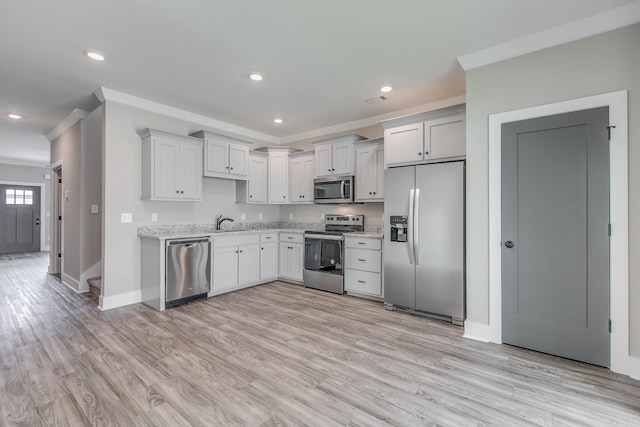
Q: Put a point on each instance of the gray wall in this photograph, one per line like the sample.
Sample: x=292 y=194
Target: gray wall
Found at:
x=36 y=175
x=67 y=148
x=600 y=64
x=91 y=224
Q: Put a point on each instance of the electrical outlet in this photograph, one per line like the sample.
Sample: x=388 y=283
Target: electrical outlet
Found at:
x=154 y=217
x=126 y=218
x=260 y=216
x=291 y=216
x=322 y=216
x=243 y=217
x=94 y=209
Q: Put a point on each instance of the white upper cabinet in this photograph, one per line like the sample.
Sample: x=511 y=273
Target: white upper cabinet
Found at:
x=278 y=175
x=254 y=189
x=171 y=166
x=224 y=157
x=369 y=171
x=434 y=136
x=301 y=174
x=334 y=156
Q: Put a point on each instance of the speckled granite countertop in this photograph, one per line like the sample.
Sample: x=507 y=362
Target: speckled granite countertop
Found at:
x=185 y=231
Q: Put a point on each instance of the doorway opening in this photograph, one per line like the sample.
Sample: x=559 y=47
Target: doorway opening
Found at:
x=55 y=262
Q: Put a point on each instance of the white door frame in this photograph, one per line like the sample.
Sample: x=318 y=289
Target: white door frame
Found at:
x=56 y=237
x=43 y=245
x=619 y=213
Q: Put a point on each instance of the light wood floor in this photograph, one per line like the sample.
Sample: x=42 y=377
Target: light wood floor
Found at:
x=273 y=355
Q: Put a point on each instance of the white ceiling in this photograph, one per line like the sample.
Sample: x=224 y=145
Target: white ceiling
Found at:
x=321 y=59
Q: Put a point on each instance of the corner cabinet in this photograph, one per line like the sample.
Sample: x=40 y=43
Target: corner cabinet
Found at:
x=334 y=156
x=171 y=166
x=301 y=174
x=369 y=171
x=439 y=136
x=224 y=157
x=254 y=189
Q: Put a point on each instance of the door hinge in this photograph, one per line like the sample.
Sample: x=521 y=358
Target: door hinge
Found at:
x=609 y=325
x=609 y=131
x=59 y=180
x=59 y=254
x=60 y=218
x=609 y=229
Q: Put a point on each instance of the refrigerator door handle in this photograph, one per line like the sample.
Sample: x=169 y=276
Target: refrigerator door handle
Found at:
x=416 y=227
x=412 y=259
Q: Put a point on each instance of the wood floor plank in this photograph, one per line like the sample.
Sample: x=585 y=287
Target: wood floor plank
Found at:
x=274 y=355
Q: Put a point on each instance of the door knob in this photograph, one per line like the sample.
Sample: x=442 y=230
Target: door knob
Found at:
x=508 y=244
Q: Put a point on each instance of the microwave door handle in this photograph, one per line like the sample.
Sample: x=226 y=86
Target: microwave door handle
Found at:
x=416 y=227
x=410 y=247
x=342 y=189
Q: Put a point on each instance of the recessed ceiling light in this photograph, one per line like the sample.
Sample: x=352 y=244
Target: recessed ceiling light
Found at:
x=277 y=121
x=14 y=116
x=385 y=89
x=256 y=77
x=95 y=55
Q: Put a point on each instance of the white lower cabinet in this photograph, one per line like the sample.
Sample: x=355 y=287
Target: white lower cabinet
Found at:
x=236 y=262
x=363 y=266
x=291 y=256
x=268 y=256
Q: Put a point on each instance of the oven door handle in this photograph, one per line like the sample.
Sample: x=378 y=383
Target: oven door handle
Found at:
x=322 y=237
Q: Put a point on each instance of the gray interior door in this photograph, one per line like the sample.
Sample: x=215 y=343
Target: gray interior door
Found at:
x=19 y=219
x=555 y=239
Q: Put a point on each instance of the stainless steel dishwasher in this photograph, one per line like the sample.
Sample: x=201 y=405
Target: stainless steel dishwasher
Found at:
x=188 y=270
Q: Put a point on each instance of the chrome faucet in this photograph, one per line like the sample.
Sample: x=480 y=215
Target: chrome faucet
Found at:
x=220 y=220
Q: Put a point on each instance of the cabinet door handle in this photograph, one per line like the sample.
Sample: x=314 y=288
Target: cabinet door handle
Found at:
x=177 y=191
x=262 y=249
x=284 y=197
x=361 y=243
x=250 y=196
x=240 y=251
x=426 y=153
x=360 y=259
x=419 y=154
x=182 y=192
x=328 y=170
x=374 y=193
x=361 y=281
x=231 y=167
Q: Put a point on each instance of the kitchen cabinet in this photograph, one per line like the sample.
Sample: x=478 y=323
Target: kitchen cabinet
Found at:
x=254 y=189
x=301 y=175
x=268 y=256
x=224 y=157
x=171 y=166
x=369 y=171
x=334 y=156
x=291 y=256
x=430 y=140
x=363 y=266
x=236 y=262
x=278 y=175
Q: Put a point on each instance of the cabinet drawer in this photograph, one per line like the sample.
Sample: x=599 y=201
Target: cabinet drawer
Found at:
x=363 y=281
x=235 y=240
x=363 y=243
x=292 y=237
x=268 y=237
x=363 y=259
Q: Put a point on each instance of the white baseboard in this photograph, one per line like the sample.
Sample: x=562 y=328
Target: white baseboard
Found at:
x=115 y=301
x=634 y=367
x=95 y=270
x=70 y=282
x=480 y=332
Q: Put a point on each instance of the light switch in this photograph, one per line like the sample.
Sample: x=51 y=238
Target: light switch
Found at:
x=260 y=216
x=291 y=216
x=126 y=218
x=243 y=217
x=322 y=217
x=154 y=217
x=94 y=209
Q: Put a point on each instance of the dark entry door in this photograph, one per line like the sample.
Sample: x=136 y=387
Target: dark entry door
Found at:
x=555 y=222
x=19 y=219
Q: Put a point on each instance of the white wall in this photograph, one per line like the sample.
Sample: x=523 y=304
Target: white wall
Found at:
x=14 y=173
x=605 y=63
x=312 y=213
x=91 y=172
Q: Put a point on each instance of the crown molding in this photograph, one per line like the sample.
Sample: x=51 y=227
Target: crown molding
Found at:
x=582 y=28
x=106 y=94
x=371 y=121
x=65 y=124
x=24 y=162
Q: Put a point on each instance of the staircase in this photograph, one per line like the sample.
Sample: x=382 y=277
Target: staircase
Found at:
x=95 y=285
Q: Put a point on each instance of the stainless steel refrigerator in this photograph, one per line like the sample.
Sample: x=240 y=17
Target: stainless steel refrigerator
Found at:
x=424 y=266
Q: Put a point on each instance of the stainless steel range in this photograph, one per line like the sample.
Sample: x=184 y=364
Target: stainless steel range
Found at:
x=324 y=252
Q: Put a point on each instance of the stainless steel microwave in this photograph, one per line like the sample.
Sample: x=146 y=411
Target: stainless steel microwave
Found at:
x=333 y=189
